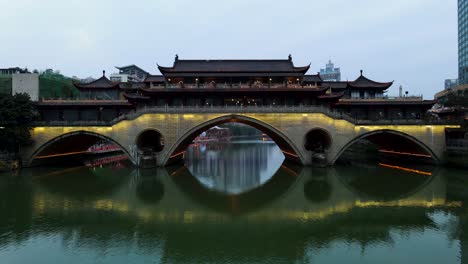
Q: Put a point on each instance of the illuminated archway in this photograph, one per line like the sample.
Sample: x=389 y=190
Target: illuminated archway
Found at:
x=289 y=149
x=391 y=141
x=78 y=141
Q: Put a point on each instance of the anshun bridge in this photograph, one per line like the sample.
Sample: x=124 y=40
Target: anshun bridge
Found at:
x=311 y=120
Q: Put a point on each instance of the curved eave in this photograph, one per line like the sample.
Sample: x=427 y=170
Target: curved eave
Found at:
x=136 y=97
x=302 y=69
x=382 y=86
x=334 y=96
x=97 y=87
x=92 y=86
x=165 y=69
x=169 y=70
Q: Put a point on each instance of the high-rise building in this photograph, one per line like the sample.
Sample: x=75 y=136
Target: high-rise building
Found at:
x=463 y=41
x=330 y=73
x=449 y=83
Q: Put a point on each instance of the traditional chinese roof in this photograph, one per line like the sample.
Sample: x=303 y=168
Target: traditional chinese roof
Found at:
x=312 y=78
x=135 y=97
x=362 y=82
x=101 y=83
x=155 y=78
x=331 y=96
x=336 y=85
x=213 y=68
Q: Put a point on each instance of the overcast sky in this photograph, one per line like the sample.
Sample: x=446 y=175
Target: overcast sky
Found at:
x=413 y=42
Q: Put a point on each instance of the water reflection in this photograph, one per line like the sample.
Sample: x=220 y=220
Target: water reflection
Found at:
x=234 y=167
x=167 y=216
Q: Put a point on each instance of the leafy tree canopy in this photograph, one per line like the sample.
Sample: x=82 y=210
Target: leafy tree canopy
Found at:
x=17 y=113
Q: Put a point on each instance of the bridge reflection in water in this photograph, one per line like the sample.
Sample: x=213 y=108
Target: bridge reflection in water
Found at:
x=234 y=167
x=341 y=214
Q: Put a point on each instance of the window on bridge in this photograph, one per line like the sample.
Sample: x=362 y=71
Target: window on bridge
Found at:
x=81 y=148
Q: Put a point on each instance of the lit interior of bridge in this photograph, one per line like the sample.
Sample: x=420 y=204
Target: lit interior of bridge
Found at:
x=78 y=148
x=287 y=149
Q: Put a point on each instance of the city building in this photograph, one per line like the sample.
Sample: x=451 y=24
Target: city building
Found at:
x=330 y=73
x=450 y=83
x=13 y=70
x=463 y=42
x=130 y=73
x=26 y=83
x=120 y=78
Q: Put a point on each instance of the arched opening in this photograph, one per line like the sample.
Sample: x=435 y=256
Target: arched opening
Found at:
x=80 y=148
x=233 y=155
x=150 y=142
x=286 y=146
x=318 y=141
x=386 y=146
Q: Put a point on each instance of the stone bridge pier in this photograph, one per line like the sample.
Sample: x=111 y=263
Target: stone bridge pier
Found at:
x=299 y=135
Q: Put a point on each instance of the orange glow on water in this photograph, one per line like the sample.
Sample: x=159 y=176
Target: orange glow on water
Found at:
x=406 y=169
x=290 y=154
x=405 y=153
x=61 y=155
x=178 y=154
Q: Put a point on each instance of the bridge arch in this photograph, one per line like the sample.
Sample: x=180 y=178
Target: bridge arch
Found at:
x=287 y=146
x=317 y=139
x=406 y=138
x=150 y=138
x=62 y=137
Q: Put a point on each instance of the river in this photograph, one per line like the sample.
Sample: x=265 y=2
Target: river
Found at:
x=237 y=202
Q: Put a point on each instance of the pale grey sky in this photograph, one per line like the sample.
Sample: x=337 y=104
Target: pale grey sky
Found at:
x=413 y=42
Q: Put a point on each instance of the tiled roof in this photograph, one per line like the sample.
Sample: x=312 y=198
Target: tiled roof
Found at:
x=101 y=83
x=312 y=78
x=155 y=78
x=233 y=66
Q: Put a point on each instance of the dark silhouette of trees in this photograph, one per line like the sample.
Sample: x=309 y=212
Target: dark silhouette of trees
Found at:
x=17 y=113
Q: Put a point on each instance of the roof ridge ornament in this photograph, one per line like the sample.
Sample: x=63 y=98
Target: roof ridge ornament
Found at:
x=290 y=57
x=176 y=57
x=362 y=72
x=103 y=73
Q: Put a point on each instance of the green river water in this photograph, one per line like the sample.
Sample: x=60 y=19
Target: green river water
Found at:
x=234 y=203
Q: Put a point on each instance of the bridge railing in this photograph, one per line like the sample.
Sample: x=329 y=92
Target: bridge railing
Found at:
x=243 y=109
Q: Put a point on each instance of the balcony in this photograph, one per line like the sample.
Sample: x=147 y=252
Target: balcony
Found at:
x=231 y=86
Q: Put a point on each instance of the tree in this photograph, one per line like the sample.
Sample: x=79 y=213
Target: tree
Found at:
x=17 y=113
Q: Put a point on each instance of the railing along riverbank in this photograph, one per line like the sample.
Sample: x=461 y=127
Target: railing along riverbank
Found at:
x=245 y=110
